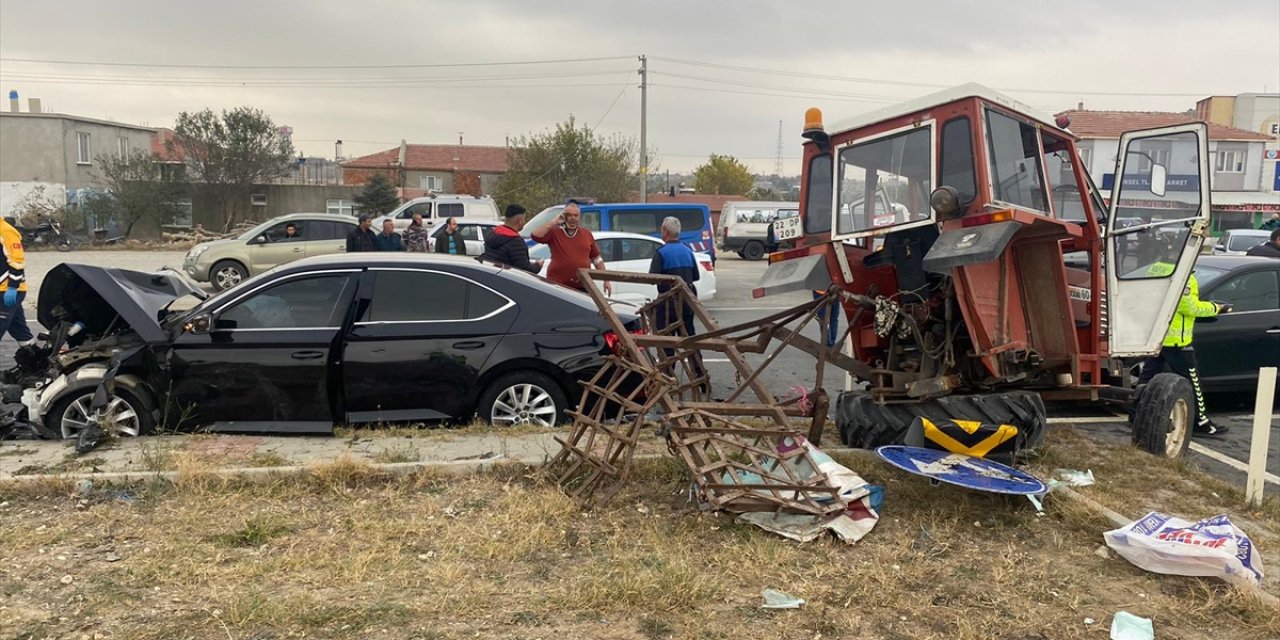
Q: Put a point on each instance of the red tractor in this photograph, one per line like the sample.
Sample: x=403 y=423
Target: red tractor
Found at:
x=982 y=271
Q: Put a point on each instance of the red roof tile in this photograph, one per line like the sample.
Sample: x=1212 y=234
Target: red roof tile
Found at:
x=1110 y=124
x=160 y=147
x=437 y=157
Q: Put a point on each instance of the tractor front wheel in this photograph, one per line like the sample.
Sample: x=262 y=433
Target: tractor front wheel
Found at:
x=866 y=424
x=1164 y=415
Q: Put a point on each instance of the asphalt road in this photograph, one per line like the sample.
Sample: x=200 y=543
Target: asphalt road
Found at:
x=733 y=305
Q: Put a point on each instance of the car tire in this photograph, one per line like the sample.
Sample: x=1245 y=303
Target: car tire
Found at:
x=1163 y=416
x=523 y=397
x=132 y=413
x=227 y=274
x=753 y=251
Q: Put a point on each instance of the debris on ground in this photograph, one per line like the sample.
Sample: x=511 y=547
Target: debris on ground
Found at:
x=1126 y=626
x=962 y=470
x=743 y=456
x=1071 y=478
x=774 y=599
x=1213 y=547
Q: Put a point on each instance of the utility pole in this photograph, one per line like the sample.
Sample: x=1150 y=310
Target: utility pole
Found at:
x=644 y=123
x=777 y=163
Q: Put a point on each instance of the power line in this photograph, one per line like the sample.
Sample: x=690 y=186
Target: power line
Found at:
x=220 y=81
x=904 y=83
x=774 y=95
x=92 y=63
x=775 y=87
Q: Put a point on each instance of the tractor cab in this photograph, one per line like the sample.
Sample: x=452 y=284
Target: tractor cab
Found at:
x=973 y=252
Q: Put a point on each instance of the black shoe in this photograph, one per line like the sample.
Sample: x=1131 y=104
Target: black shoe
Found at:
x=1211 y=430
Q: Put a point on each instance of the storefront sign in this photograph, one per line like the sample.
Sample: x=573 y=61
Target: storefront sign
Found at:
x=1172 y=183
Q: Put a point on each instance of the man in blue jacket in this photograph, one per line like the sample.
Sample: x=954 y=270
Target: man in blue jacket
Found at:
x=675 y=259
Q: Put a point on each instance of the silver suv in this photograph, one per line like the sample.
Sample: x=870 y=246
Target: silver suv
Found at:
x=225 y=263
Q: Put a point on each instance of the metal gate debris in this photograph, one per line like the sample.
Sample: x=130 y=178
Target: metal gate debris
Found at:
x=743 y=452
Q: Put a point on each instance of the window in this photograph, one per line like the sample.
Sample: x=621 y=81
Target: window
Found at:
x=428 y=296
x=422 y=207
x=1016 y=173
x=957 y=159
x=450 y=210
x=1256 y=291
x=633 y=249
x=1152 y=251
x=1153 y=152
x=280 y=232
x=340 y=207
x=122 y=145
x=182 y=213
x=1229 y=161
x=82 y=144
x=305 y=303
x=591 y=220
x=890 y=177
x=608 y=249
x=430 y=183
x=469 y=231
x=1086 y=159
x=1244 y=241
x=817 y=202
x=258 y=199
x=650 y=221
x=320 y=230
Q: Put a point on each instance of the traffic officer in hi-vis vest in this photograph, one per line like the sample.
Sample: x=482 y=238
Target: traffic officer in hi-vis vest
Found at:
x=13 y=285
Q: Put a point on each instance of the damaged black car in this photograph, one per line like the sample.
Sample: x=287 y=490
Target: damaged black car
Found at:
x=327 y=341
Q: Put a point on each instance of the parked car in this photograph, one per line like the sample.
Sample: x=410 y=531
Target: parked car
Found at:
x=634 y=252
x=368 y=339
x=226 y=263
x=1236 y=242
x=1232 y=347
x=744 y=226
x=439 y=207
x=631 y=217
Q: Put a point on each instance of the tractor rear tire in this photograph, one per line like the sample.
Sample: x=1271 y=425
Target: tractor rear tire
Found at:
x=865 y=424
x=1164 y=415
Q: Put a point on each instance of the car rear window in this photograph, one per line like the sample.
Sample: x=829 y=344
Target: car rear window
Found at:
x=450 y=210
x=1243 y=242
x=397 y=298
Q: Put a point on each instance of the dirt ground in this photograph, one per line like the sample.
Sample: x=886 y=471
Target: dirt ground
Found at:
x=344 y=552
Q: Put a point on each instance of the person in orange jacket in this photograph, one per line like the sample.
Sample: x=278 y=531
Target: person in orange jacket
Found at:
x=13 y=285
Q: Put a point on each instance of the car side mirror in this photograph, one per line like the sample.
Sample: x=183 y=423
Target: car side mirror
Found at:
x=222 y=324
x=1159 y=178
x=262 y=239
x=198 y=325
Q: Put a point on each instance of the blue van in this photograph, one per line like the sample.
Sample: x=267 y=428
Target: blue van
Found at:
x=634 y=217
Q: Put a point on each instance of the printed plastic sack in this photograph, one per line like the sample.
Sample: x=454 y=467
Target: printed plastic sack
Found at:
x=1165 y=544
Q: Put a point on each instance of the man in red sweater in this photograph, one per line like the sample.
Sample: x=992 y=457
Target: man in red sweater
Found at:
x=572 y=248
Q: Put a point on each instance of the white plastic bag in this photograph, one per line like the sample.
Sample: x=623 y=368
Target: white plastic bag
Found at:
x=1164 y=544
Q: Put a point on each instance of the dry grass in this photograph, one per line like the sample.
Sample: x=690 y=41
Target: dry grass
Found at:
x=345 y=551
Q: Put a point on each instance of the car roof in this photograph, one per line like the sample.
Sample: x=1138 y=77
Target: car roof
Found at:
x=645 y=205
x=334 y=217
x=1261 y=233
x=605 y=235
x=1235 y=262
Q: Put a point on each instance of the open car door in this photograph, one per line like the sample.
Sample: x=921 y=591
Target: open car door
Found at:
x=1159 y=219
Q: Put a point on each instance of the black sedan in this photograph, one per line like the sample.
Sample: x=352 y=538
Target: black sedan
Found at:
x=1232 y=347
x=345 y=339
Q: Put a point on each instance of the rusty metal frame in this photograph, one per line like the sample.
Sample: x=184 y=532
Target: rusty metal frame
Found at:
x=742 y=452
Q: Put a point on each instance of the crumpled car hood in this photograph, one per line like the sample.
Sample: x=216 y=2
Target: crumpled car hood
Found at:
x=97 y=296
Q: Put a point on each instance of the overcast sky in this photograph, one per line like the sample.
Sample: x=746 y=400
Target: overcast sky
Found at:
x=1048 y=54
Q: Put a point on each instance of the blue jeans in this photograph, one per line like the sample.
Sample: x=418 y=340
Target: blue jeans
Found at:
x=13 y=321
x=834 y=321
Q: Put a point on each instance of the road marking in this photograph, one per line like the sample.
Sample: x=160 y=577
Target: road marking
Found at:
x=1229 y=461
x=1087 y=420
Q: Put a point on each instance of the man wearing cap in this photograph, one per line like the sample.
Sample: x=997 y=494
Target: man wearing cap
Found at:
x=506 y=246
x=362 y=238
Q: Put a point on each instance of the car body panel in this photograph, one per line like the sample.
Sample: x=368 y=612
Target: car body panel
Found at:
x=96 y=295
x=1233 y=346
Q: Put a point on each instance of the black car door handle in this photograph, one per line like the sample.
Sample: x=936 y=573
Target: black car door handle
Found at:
x=307 y=355
x=470 y=345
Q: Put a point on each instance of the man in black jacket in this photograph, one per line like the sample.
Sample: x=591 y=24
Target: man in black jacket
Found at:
x=1268 y=249
x=362 y=238
x=506 y=246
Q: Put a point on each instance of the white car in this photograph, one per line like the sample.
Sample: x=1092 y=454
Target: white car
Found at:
x=1237 y=242
x=437 y=208
x=633 y=252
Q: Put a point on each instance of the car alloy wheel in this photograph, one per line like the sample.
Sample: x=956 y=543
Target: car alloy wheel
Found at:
x=524 y=403
x=120 y=417
x=226 y=277
x=1179 y=428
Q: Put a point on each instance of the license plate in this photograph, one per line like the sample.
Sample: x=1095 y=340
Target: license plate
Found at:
x=787 y=228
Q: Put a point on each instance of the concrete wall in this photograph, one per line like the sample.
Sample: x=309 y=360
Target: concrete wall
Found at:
x=31 y=150
x=281 y=199
x=12 y=193
x=103 y=141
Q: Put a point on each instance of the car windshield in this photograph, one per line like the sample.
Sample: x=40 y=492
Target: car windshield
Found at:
x=885 y=182
x=1207 y=275
x=1244 y=242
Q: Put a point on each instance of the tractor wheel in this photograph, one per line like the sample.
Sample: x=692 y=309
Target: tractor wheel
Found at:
x=865 y=424
x=1164 y=415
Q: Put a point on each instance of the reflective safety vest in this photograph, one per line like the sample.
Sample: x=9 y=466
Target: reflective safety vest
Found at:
x=1189 y=308
x=15 y=262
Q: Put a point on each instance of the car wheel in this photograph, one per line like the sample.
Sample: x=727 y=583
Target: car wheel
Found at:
x=227 y=274
x=127 y=414
x=523 y=397
x=753 y=251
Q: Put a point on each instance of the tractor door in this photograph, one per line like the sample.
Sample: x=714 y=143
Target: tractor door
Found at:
x=1159 y=218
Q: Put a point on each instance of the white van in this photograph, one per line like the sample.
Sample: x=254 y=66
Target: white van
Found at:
x=441 y=206
x=744 y=226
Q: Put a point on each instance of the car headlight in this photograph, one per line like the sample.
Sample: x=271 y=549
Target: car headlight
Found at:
x=196 y=251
